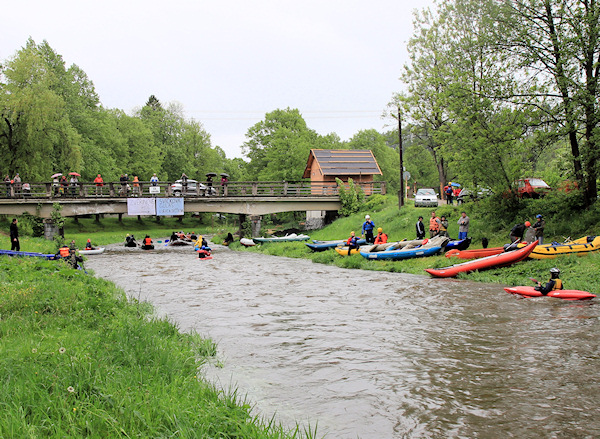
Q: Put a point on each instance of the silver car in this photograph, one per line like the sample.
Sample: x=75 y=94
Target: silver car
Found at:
x=426 y=197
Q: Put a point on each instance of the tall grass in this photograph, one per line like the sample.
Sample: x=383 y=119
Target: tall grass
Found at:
x=78 y=359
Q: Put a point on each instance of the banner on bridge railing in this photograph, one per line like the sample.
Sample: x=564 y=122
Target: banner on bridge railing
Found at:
x=155 y=206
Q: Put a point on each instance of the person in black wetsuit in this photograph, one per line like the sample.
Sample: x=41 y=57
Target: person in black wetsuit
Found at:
x=553 y=284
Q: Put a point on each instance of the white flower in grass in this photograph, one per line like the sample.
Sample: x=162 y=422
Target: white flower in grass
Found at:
x=70 y=389
x=62 y=350
x=34 y=350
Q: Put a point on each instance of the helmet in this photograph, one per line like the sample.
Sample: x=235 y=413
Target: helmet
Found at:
x=367 y=217
x=555 y=271
x=538 y=216
x=527 y=224
x=379 y=230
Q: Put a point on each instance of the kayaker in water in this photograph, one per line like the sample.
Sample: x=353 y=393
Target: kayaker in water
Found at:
x=88 y=245
x=381 y=237
x=553 y=284
x=147 y=243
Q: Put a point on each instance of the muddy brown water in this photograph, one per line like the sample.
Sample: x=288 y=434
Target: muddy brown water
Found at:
x=377 y=354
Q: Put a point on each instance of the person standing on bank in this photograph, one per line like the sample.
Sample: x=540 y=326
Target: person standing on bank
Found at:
x=14 y=236
x=434 y=225
x=367 y=230
x=420 y=228
x=463 y=226
x=539 y=229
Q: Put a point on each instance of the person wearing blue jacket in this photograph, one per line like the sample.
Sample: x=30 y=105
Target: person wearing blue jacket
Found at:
x=367 y=230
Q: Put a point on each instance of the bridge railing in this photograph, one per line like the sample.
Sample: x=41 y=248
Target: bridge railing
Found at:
x=90 y=190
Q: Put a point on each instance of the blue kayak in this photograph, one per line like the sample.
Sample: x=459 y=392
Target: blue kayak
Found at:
x=29 y=254
x=319 y=246
x=458 y=244
x=402 y=253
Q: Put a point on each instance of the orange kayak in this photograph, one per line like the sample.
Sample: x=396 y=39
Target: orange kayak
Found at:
x=474 y=253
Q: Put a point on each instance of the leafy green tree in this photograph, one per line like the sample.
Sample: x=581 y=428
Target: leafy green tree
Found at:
x=36 y=135
x=278 y=147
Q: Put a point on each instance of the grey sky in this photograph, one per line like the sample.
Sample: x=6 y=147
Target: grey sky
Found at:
x=229 y=62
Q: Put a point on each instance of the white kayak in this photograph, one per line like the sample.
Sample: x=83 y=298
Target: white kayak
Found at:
x=247 y=242
x=94 y=251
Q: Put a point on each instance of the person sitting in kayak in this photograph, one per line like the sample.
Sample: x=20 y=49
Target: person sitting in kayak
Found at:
x=352 y=242
x=553 y=284
x=147 y=243
x=88 y=245
x=381 y=237
x=228 y=239
x=130 y=241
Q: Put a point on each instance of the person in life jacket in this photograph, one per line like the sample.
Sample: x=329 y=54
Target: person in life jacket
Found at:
x=147 y=243
x=553 y=284
x=64 y=251
x=367 y=229
x=88 y=245
x=352 y=242
x=434 y=225
x=381 y=237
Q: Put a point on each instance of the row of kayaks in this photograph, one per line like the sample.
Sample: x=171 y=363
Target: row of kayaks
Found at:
x=95 y=251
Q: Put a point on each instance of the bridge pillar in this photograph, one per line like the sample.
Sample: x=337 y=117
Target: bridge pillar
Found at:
x=51 y=229
x=255 y=222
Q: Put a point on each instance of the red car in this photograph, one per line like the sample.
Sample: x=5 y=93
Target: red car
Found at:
x=532 y=188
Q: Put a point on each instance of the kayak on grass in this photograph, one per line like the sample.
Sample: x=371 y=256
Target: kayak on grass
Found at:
x=494 y=261
x=581 y=246
x=324 y=245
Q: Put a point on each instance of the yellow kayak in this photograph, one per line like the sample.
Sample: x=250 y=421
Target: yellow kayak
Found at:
x=578 y=247
x=344 y=251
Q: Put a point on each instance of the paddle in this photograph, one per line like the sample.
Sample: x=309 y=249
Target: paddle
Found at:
x=533 y=280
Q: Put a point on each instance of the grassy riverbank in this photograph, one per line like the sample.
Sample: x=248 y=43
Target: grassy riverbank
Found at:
x=577 y=272
x=79 y=359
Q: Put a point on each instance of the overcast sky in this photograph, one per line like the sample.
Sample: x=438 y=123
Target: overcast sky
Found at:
x=229 y=62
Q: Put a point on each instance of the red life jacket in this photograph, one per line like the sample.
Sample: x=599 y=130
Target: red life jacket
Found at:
x=64 y=252
x=147 y=241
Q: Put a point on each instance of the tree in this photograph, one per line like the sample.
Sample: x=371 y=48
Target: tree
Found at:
x=278 y=147
x=559 y=42
x=36 y=135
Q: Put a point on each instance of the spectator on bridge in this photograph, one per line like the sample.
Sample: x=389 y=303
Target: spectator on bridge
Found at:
x=8 y=183
x=17 y=185
x=123 y=179
x=154 y=180
x=74 y=182
x=184 y=184
x=223 y=183
x=55 y=185
x=136 y=186
x=99 y=183
x=64 y=184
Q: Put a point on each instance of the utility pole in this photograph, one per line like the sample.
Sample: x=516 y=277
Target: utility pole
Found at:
x=401 y=191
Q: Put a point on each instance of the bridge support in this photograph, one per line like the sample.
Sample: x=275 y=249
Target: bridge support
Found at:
x=255 y=221
x=51 y=229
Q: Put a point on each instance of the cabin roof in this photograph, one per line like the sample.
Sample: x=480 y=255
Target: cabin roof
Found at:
x=343 y=162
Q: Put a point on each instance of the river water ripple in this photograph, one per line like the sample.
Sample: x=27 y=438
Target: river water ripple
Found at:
x=377 y=354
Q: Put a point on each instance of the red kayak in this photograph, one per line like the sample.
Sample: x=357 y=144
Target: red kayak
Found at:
x=474 y=253
x=501 y=260
x=560 y=294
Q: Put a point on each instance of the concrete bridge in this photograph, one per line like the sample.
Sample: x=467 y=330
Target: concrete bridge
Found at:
x=244 y=198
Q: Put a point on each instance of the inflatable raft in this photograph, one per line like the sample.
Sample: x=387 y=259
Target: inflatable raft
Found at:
x=286 y=238
x=559 y=294
x=28 y=254
x=495 y=261
x=406 y=249
x=581 y=246
x=319 y=246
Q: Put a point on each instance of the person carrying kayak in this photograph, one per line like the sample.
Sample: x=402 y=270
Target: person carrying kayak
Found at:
x=553 y=284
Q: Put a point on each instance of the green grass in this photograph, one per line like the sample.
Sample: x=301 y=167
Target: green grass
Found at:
x=80 y=360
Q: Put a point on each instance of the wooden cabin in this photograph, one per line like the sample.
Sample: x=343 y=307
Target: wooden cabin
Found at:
x=325 y=165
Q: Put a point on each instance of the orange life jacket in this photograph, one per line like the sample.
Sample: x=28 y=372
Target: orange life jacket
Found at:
x=64 y=252
x=381 y=238
x=434 y=224
x=147 y=241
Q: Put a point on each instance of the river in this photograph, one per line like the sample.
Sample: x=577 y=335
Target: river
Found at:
x=377 y=354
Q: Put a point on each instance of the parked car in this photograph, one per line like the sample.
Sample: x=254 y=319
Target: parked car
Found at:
x=177 y=188
x=532 y=188
x=467 y=194
x=426 y=197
